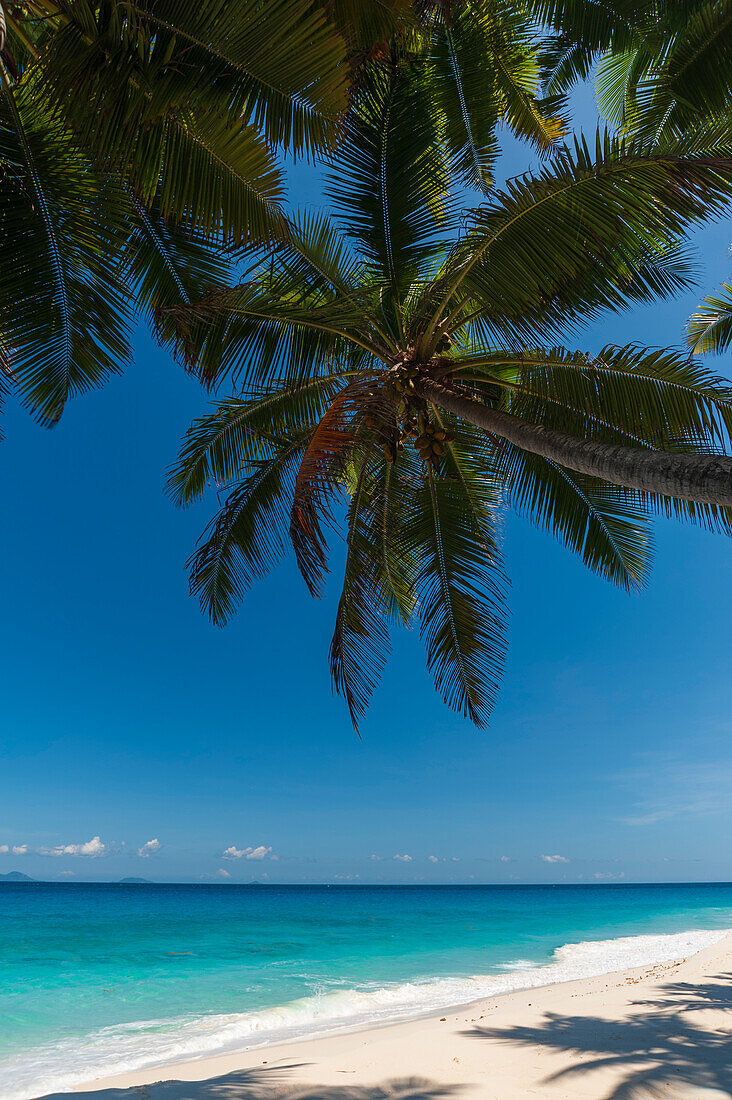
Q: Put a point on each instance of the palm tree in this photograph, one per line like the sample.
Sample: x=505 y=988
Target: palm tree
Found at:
x=137 y=140
x=401 y=367
x=663 y=70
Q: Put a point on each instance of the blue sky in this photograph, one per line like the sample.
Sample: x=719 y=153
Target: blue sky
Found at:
x=128 y=719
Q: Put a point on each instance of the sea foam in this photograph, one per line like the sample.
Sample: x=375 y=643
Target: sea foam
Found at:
x=152 y=1043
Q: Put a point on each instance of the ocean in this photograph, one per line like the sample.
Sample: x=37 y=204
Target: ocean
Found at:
x=98 y=979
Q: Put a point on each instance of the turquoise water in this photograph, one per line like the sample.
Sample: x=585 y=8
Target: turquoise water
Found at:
x=96 y=979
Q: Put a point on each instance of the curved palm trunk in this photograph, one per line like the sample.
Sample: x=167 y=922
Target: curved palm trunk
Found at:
x=706 y=479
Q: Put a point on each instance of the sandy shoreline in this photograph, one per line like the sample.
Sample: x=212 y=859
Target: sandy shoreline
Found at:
x=654 y=1031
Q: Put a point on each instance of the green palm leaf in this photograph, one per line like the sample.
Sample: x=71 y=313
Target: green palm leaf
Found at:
x=243 y=431
x=583 y=234
x=656 y=397
x=461 y=593
x=710 y=328
x=360 y=644
x=247 y=537
x=277 y=64
x=60 y=225
x=605 y=526
x=391 y=182
x=164 y=267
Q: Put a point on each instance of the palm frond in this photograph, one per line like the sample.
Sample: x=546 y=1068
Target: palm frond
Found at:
x=691 y=77
x=249 y=534
x=251 y=330
x=467 y=93
x=319 y=483
x=277 y=64
x=64 y=309
x=165 y=267
x=216 y=178
x=658 y=398
x=461 y=592
x=243 y=431
x=710 y=328
x=398 y=566
x=391 y=180
x=360 y=644
x=311 y=249
x=582 y=233
x=606 y=526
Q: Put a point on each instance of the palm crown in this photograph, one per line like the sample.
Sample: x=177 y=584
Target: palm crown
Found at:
x=139 y=139
x=399 y=366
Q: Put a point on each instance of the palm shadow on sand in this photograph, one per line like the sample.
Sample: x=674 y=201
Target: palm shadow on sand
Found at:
x=268 y=1084
x=653 y=1053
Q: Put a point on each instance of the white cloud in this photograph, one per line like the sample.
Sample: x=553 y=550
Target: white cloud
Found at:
x=455 y=859
x=403 y=859
x=92 y=848
x=607 y=876
x=347 y=878
x=222 y=873
x=148 y=848
x=433 y=859
x=261 y=852
x=66 y=874
x=233 y=853
x=505 y=859
x=555 y=859
x=258 y=853
x=374 y=858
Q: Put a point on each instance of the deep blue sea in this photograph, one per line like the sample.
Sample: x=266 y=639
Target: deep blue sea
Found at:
x=98 y=979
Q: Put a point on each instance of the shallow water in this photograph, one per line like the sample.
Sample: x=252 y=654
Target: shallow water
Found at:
x=98 y=979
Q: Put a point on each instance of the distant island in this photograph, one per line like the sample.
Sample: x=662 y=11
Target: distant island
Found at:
x=16 y=876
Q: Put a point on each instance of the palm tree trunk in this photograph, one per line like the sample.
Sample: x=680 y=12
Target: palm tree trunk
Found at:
x=705 y=478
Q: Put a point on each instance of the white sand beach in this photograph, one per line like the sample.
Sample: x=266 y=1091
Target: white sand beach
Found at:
x=655 y=1031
